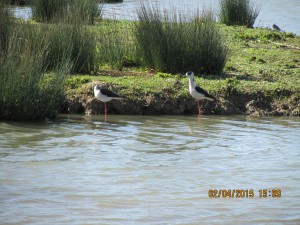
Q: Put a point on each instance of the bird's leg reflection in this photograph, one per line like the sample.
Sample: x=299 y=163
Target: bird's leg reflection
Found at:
x=199 y=119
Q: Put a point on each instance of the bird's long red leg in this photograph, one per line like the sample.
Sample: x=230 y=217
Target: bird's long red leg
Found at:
x=199 y=108
x=105 y=109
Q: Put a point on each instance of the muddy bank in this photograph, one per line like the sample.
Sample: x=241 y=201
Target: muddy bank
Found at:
x=137 y=103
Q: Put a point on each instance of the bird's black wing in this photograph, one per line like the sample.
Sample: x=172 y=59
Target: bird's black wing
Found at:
x=202 y=91
x=109 y=93
x=276 y=27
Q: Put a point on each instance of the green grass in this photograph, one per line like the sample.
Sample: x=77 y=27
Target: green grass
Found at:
x=136 y=87
x=259 y=58
x=259 y=66
x=254 y=53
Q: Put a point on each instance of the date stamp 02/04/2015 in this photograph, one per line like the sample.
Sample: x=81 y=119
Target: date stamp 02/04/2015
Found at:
x=244 y=193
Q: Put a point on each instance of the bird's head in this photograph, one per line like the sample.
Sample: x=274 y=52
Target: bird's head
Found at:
x=190 y=74
x=99 y=85
x=96 y=86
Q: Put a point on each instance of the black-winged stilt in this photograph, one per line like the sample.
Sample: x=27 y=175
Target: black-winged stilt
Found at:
x=105 y=95
x=197 y=92
x=275 y=27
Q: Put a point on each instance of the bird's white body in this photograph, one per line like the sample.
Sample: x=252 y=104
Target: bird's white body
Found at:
x=194 y=93
x=104 y=97
x=192 y=88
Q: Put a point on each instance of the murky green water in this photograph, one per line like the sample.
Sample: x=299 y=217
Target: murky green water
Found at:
x=149 y=170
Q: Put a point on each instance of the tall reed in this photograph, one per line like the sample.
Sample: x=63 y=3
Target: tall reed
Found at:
x=71 y=11
x=174 y=42
x=115 y=45
x=5 y=2
x=85 y=11
x=238 y=12
x=49 y=10
x=27 y=90
x=83 y=54
x=75 y=42
x=6 y=24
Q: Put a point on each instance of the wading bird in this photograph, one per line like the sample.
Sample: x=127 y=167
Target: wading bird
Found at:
x=275 y=27
x=197 y=92
x=105 y=95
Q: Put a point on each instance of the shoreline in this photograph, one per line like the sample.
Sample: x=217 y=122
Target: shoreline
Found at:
x=173 y=98
x=261 y=77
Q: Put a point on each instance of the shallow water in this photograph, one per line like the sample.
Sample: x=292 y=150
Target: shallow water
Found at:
x=149 y=170
x=283 y=13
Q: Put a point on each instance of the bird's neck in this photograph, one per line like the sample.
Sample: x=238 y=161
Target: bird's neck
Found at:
x=191 y=83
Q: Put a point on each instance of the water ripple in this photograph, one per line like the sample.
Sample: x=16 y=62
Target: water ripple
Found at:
x=149 y=170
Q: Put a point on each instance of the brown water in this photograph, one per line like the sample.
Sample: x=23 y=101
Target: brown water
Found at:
x=149 y=170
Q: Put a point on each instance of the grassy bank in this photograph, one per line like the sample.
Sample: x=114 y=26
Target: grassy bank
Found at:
x=252 y=71
x=261 y=76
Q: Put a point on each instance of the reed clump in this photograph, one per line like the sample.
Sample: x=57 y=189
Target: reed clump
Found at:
x=66 y=31
x=6 y=24
x=173 y=42
x=75 y=42
x=238 y=12
x=35 y=59
x=27 y=90
x=85 y=11
x=115 y=45
x=49 y=10
x=70 y=11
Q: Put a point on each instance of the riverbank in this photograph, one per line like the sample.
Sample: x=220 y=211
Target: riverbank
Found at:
x=261 y=77
x=153 y=95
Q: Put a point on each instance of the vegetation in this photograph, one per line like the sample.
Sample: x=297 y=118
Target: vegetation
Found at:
x=263 y=67
x=70 y=41
x=85 y=11
x=49 y=10
x=238 y=12
x=111 y=1
x=6 y=23
x=170 y=42
x=25 y=86
x=69 y=37
x=19 y=2
x=142 y=60
x=115 y=45
x=71 y=11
